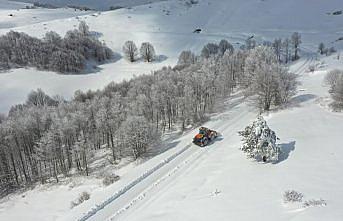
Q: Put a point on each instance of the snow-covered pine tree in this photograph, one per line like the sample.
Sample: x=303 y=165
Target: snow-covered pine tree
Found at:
x=259 y=141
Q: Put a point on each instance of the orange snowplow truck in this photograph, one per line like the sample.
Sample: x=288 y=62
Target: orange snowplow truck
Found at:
x=204 y=136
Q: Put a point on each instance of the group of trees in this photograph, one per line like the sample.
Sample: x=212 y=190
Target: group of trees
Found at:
x=64 y=55
x=147 y=51
x=266 y=80
x=47 y=137
x=287 y=50
x=335 y=80
x=211 y=49
x=322 y=49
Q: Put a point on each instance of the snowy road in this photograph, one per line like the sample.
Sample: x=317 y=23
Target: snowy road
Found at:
x=223 y=185
x=227 y=123
x=187 y=182
x=237 y=114
x=190 y=164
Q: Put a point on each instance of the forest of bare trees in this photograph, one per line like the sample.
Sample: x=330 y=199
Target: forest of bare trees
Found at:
x=64 y=55
x=48 y=137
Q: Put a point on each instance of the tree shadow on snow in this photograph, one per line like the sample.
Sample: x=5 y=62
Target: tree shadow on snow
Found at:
x=302 y=98
x=151 y=152
x=286 y=149
x=96 y=34
x=160 y=58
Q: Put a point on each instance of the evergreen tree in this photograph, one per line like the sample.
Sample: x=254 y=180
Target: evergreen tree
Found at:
x=259 y=141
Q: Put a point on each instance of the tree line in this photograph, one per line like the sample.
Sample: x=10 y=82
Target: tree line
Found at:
x=54 y=53
x=335 y=80
x=286 y=50
x=47 y=137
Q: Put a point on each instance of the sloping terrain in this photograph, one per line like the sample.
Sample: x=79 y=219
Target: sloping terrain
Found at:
x=94 y=4
x=223 y=185
x=216 y=182
x=14 y=14
x=169 y=26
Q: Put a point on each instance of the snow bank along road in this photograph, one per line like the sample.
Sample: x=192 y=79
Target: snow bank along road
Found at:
x=181 y=160
x=187 y=155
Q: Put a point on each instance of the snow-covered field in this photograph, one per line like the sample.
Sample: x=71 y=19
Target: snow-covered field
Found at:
x=23 y=17
x=168 y=25
x=216 y=182
x=94 y=4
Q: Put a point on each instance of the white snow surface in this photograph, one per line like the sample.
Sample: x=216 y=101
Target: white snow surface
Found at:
x=216 y=182
x=23 y=17
x=168 y=25
x=94 y=4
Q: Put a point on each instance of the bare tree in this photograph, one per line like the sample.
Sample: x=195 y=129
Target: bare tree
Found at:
x=250 y=43
x=335 y=80
x=84 y=28
x=147 y=51
x=209 y=49
x=333 y=77
x=296 y=41
x=224 y=46
x=321 y=48
x=287 y=51
x=277 y=45
x=130 y=51
x=187 y=58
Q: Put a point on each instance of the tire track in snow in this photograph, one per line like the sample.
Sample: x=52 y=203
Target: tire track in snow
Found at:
x=187 y=165
x=131 y=185
x=196 y=156
x=190 y=163
x=191 y=160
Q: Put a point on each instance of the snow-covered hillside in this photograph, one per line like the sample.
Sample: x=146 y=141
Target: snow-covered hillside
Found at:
x=15 y=14
x=223 y=185
x=169 y=26
x=94 y=4
x=186 y=182
x=218 y=182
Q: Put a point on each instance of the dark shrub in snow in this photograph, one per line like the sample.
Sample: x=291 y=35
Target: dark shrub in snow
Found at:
x=84 y=196
x=292 y=196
